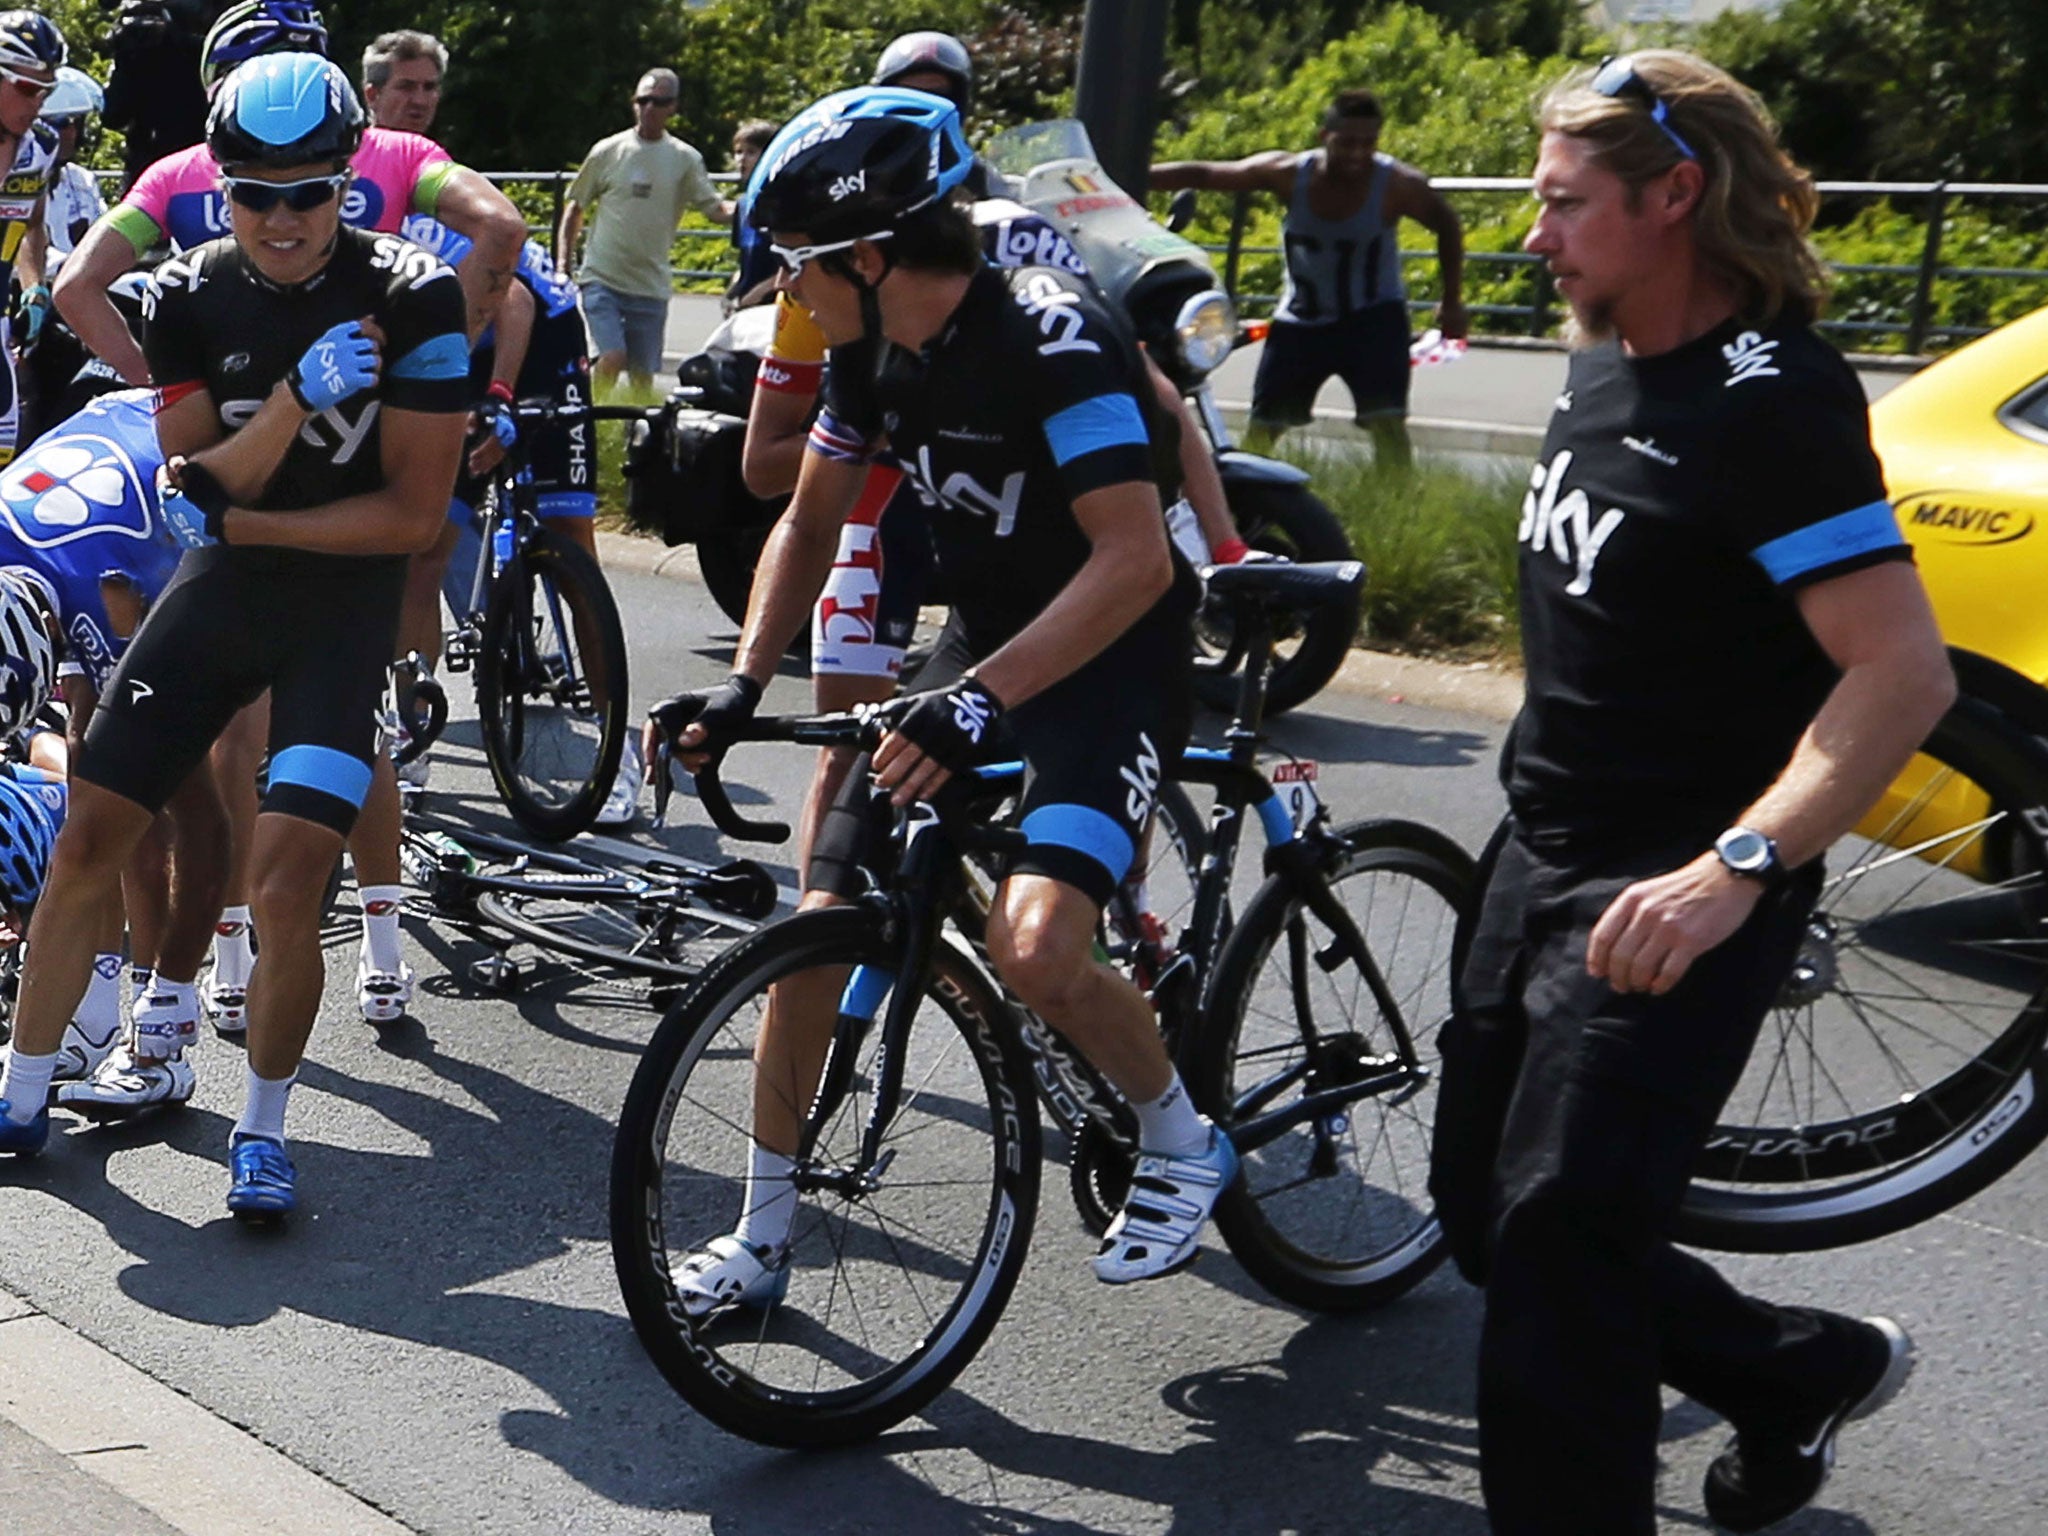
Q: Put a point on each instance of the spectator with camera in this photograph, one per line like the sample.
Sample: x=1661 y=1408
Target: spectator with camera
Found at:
x=153 y=93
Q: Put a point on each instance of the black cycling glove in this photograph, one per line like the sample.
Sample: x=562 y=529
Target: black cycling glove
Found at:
x=720 y=710
x=950 y=725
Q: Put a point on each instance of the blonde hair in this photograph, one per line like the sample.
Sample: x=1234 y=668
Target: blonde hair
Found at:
x=1754 y=213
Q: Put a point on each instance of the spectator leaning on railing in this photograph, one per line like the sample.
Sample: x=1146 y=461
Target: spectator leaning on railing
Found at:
x=637 y=182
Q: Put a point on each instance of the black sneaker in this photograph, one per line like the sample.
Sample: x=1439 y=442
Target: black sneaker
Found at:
x=1758 y=1481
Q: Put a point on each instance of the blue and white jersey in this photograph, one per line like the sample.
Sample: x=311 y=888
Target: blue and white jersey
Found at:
x=552 y=287
x=81 y=505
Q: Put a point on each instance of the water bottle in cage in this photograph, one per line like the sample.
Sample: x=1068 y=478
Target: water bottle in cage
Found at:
x=501 y=543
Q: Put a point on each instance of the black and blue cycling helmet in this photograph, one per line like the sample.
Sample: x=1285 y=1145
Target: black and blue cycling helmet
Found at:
x=930 y=53
x=28 y=831
x=285 y=109
x=256 y=27
x=859 y=162
x=29 y=40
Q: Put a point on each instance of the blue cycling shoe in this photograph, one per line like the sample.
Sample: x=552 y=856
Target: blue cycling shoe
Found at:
x=23 y=1140
x=264 y=1179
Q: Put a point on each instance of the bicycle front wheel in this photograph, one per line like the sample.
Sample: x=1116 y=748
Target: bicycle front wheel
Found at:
x=662 y=935
x=1303 y=1056
x=899 y=1267
x=1901 y=1070
x=551 y=687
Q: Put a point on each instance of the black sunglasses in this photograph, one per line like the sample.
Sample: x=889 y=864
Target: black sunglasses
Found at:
x=1616 y=78
x=654 y=101
x=299 y=196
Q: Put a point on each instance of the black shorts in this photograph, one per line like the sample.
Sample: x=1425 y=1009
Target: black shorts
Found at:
x=1367 y=350
x=1095 y=747
x=563 y=457
x=317 y=632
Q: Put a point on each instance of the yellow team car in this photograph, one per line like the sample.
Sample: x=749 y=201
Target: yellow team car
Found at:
x=1965 y=450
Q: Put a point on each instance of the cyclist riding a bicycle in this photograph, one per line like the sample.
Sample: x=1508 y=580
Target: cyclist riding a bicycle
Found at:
x=1021 y=410
x=313 y=381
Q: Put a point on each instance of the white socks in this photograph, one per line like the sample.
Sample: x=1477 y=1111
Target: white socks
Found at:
x=771 y=1204
x=233 y=957
x=184 y=993
x=98 y=1014
x=1169 y=1125
x=263 y=1110
x=25 y=1085
x=380 y=927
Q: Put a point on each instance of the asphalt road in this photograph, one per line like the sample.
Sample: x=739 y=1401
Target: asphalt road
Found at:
x=439 y=1332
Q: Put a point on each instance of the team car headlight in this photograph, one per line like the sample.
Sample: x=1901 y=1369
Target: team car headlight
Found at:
x=1207 y=329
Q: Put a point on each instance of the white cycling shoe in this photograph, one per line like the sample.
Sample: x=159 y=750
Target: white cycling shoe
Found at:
x=125 y=1086
x=229 y=1006
x=383 y=996
x=727 y=1273
x=79 y=1055
x=623 y=803
x=1160 y=1226
x=164 y=1026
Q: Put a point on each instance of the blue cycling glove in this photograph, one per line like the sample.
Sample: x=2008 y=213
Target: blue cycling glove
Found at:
x=502 y=424
x=194 y=513
x=342 y=363
x=34 y=310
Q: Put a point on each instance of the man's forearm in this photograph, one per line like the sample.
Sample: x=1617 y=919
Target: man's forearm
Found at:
x=81 y=298
x=376 y=523
x=245 y=461
x=1172 y=175
x=794 y=564
x=1868 y=730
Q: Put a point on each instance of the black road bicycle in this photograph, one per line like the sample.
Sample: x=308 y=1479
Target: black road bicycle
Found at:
x=1306 y=1024
x=542 y=635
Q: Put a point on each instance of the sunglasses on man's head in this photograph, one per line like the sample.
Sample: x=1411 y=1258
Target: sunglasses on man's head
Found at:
x=299 y=196
x=1616 y=79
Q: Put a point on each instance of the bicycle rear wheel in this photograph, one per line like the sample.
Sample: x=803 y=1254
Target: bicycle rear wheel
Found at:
x=551 y=687
x=899 y=1270
x=1333 y=1209
x=1901 y=1070
x=661 y=934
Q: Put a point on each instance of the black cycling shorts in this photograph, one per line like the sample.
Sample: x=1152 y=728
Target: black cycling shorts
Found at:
x=563 y=457
x=318 y=632
x=1367 y=350
x=1095 y=747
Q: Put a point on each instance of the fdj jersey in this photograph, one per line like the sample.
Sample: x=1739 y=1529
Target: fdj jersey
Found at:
x=212 y=322
x=79 y=508
x=1030 y=397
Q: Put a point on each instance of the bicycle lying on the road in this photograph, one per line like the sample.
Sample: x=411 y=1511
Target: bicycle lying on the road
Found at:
x=1306 y=1025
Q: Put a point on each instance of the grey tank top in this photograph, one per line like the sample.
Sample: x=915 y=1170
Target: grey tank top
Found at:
x=1337 y=267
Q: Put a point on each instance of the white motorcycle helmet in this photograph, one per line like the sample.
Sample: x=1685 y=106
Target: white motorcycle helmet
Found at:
x=75 y=97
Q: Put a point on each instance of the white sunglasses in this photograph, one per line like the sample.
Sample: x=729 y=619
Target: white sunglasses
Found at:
x=794 y=257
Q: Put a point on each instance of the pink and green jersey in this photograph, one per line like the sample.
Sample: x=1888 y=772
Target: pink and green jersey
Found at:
x=180 y=196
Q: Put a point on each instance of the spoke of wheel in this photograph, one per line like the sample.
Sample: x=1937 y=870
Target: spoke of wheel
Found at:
x=1936 y=867
x=1872 y=959
x=903 y=1264
x=1877 y=849
x=1905 y=1080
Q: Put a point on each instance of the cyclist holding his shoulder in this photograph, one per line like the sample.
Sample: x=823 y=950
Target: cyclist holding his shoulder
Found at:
x=297 y=531
x=1021 y=409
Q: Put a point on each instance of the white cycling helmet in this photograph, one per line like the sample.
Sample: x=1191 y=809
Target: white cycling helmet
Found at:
x=76 y=95
x=28 y=657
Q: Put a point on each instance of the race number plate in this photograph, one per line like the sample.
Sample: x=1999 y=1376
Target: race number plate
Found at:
x=1295 y=782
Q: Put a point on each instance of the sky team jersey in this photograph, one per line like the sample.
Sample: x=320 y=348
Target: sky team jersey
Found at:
x=180 y=196
x=552 y=288
x=1030 y=397
x=212 y=322
x=35 y=162
x=79 y=506
x=1680 y=503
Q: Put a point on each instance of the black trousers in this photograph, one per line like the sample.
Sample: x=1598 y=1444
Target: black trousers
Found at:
x=1568 y=1121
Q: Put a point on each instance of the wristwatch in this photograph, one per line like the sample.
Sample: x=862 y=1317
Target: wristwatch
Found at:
x=1750 y=854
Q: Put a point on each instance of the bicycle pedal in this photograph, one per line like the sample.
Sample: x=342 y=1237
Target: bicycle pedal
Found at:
x=500 y=973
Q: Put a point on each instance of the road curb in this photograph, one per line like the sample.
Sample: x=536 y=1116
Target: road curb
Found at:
x=1476 y=688
x=156 y=1448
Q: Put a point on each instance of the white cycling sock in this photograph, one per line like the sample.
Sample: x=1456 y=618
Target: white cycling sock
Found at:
x=1169 y=1125
x=25 y=1084
x=380 y=927
x=138 y=983
x=771 y=1203
x=233 y=957
x=98 y=1013
x=263 y=1109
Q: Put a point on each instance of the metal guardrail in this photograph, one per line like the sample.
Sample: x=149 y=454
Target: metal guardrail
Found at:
x=1541 y=313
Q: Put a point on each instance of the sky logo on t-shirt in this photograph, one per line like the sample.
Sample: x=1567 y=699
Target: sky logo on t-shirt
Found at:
x=1565 y=525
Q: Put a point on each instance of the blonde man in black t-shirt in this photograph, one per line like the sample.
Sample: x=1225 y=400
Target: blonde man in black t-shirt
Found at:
x=1729 y=657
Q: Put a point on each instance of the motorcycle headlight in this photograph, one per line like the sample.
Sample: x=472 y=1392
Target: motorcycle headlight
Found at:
x=1206 y=328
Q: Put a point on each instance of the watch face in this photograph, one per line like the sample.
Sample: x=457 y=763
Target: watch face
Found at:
x=1745 y=850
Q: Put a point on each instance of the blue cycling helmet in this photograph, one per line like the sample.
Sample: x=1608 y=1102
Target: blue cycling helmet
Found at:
x=28 y=830
x=859 y=162
x=256 y=27
x=285 y=109
x=30 y=41
x=28 y=656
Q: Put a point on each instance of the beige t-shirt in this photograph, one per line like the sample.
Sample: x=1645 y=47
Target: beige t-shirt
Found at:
x=639 y=189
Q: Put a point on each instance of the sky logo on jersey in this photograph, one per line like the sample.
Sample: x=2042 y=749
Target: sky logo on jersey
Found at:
x=1565 y=525
x=84 y=485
